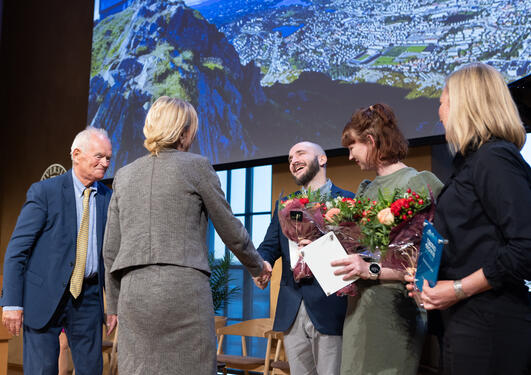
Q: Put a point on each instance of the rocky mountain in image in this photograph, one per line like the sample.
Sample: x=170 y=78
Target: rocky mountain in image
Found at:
x=156 y=48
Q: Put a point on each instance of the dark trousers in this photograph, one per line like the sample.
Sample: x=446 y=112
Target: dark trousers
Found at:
x=82 y=321
x=478 y=341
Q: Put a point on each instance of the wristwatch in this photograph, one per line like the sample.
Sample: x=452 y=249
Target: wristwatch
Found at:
x=374 y=271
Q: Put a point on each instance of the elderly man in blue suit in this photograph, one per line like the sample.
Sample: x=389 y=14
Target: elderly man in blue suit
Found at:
x=312 y=322
x=53 y=267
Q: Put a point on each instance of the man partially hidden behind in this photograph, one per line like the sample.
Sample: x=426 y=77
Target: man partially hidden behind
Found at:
x=53 y=267
x=312 y=322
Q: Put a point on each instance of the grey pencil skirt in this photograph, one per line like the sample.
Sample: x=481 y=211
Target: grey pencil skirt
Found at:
x=166 y=322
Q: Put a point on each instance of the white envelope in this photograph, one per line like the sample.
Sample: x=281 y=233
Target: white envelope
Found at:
x=318 y=255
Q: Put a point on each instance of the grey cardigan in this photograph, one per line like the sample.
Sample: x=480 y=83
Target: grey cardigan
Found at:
x=159 y=212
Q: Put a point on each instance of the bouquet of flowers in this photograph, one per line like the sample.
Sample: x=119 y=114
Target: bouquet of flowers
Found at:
x=388 y=229
x=301 y=217
x=392 y=227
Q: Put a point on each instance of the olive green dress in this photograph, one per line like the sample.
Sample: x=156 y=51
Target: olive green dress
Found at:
x=384 y=330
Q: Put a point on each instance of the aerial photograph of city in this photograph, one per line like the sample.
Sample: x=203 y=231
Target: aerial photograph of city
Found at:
x=294 y=68
x=405 y=43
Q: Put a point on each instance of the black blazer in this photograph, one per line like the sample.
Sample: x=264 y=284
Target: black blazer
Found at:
x=326 y=313
x=484 y=212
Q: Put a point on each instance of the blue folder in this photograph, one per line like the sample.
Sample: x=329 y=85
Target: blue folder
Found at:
x=430 y=252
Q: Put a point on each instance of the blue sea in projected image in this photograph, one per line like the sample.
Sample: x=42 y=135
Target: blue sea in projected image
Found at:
x=287 y=3
x=287 y=30
x=266 y=74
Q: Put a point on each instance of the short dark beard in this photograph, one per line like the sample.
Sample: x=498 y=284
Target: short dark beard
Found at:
x=307 y=177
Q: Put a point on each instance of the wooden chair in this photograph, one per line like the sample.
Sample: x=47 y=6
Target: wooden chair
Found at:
x=5 y=336
x=110 y=348
x=278 y=364
x=219 y=321
x=248 y=328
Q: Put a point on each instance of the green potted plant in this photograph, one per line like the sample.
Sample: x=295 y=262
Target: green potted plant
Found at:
x=219 y=285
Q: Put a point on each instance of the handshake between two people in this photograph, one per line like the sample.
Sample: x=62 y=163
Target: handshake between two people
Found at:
x=352 y=266
x=262 y=280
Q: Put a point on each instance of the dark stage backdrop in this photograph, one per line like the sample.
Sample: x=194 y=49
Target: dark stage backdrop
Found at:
x=266 y=74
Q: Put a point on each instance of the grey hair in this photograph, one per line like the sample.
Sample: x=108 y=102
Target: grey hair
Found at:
x=83 y=138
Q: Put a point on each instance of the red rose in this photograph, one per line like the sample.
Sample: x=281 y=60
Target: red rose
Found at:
x=304 y=200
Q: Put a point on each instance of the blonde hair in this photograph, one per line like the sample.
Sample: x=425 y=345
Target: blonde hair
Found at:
x=167 y=120
x=481 y=107
x=82 y=139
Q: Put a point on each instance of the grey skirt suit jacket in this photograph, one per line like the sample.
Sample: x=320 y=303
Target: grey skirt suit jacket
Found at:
x=155 y=257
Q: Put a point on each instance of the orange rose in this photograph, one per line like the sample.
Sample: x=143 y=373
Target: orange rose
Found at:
x=331 y=213
x=386 y=217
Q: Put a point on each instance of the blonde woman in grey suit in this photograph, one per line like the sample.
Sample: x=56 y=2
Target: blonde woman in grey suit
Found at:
x=157 y=274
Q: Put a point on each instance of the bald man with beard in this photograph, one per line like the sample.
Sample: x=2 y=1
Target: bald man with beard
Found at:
x=312 y=322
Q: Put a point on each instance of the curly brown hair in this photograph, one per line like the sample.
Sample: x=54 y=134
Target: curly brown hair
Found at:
x=378 y=122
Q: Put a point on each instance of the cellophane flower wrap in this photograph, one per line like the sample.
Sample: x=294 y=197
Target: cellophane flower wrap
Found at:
x=388 y=229
x=301 y=217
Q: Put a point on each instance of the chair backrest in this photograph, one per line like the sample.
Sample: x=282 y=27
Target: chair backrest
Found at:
x=248 y=328
x=274 y=287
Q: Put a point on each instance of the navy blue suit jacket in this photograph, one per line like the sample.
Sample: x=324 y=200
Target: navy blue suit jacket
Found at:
x=326 y=313
x=41 y=254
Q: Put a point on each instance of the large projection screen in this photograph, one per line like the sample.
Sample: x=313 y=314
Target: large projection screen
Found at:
x=265 y=74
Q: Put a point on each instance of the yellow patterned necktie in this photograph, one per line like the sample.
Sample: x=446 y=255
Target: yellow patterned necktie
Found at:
x=76 y=281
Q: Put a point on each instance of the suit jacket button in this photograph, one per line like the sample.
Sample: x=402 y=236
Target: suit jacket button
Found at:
x=71 y=264
x=64 y=285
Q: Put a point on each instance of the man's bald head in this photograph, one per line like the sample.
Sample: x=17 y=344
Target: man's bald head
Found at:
x=307 y=163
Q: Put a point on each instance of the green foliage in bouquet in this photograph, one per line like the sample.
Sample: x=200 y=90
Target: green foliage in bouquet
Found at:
x=340 y=210
x=219 y=281
x=310 y=197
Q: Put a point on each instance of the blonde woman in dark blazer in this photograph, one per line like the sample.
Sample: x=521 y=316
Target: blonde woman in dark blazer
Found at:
x=157 y=274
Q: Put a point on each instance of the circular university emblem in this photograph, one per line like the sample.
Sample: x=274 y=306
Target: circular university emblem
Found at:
x=52 y=171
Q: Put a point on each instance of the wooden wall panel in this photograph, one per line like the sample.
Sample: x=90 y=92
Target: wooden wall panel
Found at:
x=46 y=47
x=45 y=67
